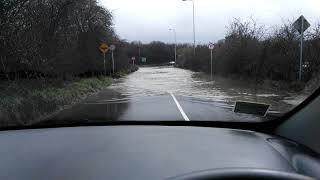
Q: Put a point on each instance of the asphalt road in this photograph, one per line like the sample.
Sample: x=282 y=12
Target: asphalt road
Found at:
x=105 y=106
x=171 y=94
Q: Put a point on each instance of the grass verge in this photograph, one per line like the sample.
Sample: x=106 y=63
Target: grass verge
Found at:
x=23 y=102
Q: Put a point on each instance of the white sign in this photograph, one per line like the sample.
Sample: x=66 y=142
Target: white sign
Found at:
x=211 y=46
x=112 y=47
x=144 y=59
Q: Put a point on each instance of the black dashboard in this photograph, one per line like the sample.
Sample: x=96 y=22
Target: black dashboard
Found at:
x=145 y=152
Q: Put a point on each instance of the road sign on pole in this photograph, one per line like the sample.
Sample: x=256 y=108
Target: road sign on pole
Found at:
x=112 y=48
x=211 y=47
x=301 y=25
x=144 y=59
x=133 y=59
x=104 y=49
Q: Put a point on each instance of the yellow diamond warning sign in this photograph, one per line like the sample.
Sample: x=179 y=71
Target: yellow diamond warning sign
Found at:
x=104 y=48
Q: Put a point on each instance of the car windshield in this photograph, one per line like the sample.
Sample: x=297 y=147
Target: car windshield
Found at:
x=63 y=61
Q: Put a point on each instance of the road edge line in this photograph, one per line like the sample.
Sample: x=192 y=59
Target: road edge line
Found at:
x=180 y=108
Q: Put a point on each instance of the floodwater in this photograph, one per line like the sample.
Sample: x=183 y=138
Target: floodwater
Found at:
x=172 y=94
x=157 y=81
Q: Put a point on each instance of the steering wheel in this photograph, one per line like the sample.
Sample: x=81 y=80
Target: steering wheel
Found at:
x=239 y=173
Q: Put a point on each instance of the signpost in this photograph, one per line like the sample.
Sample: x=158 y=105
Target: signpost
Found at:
x=112 y=48
x=211 y=47
x=143 y=59
x=301 y=25
x=133 y=59
x=104 y=49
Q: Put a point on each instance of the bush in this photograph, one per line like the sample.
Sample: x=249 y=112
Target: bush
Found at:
x=248 y=52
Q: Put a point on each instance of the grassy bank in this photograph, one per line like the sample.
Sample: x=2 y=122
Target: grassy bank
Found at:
x=126 y=71
x=23 y=102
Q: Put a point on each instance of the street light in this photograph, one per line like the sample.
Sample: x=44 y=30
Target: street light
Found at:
x=194 y=29
x=175 y=44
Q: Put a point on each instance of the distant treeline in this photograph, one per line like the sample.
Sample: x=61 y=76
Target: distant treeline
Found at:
x=56 y=38
x=249 y=51
x=155 y=52
x=60 y=38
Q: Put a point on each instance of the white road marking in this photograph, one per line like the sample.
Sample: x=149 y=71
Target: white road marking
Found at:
x=180 y=108
x=105 y=103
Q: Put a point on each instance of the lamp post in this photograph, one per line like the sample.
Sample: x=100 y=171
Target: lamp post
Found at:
x=175 y=44
x=194 y=28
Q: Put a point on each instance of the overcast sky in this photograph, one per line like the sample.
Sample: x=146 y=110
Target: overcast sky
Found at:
x=149 y=20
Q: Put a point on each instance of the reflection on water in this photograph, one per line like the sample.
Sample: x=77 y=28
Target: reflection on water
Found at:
x=94 y=109
x=155 y=81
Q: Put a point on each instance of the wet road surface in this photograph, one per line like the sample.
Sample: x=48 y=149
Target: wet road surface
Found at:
x=171 y=94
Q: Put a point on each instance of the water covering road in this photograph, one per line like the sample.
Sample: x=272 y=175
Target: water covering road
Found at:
x=155 y=81
x=168 y=93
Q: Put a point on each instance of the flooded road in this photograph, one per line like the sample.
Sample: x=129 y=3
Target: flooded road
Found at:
x=173 y=94
x=156 y=81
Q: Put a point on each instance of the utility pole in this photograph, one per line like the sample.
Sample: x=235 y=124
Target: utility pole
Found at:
x=112 y=48
x=194 y=30
x=211 y=66
x=194 y=26
x=175 y=44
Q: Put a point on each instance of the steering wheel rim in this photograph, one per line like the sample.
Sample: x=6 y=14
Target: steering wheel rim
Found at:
x=241 y=173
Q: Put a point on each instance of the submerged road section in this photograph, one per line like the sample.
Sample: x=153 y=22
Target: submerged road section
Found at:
x=172 y=94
